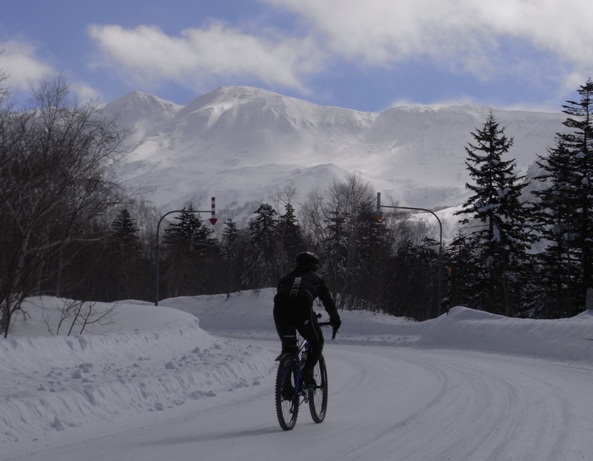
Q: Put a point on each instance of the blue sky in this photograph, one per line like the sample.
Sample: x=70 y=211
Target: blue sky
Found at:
x=365 y=55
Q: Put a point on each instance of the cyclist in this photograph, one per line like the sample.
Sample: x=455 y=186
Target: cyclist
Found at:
x=293 y=310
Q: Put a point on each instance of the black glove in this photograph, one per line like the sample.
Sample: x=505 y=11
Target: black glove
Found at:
x=336 y=323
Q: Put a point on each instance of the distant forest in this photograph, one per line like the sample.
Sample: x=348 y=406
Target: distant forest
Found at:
x=69 y=229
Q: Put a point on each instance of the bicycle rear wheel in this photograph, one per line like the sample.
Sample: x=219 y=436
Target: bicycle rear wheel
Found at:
x=318 y=395
x=287 y=400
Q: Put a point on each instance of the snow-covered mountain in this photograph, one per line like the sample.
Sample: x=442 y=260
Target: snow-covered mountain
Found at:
x=244 y=145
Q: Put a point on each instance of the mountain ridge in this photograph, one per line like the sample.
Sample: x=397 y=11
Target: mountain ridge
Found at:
x=244 y=144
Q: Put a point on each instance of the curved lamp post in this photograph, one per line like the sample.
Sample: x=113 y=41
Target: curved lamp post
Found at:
x=157 y=251
x=440 y=270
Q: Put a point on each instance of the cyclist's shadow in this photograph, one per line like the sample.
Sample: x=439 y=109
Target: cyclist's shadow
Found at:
x=219 y=435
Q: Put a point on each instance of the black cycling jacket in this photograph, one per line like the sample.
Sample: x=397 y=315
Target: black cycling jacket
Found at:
x=300 y=287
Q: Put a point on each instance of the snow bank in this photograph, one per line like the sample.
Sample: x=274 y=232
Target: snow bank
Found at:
x=249 y=314
x=51 y=383
x=562 y=339
x=149 y=358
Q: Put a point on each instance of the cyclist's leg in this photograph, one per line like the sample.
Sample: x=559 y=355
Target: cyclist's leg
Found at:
x=285 y=326
x=311 y=331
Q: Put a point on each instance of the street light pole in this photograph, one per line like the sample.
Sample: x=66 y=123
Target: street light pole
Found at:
x=157 y=252
x=440 y=270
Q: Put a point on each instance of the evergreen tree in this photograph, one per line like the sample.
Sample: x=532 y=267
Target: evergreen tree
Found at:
x=192 y=257
x=189 y=233
x=499 y=244
x=335 y=251
x=413 y=279
x=265 y=249
x=233 y=250
x=291 y=236
x=125 y=229
x=565 y=214
x=125 y=255
x=559 y=267
x=460 y=257
x=374 y=248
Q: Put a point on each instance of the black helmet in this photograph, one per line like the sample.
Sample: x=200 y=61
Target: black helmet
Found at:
x=307 y=259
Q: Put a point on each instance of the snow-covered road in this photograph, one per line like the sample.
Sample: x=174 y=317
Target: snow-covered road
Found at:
x=193 y=380
x=386 y=403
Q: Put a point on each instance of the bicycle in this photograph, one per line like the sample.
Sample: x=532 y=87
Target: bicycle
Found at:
x=290 y=392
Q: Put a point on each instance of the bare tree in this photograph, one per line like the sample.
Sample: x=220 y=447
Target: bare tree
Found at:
x=337 y=221
x=56 y=179
x=4 y=92
x=282 y=196
x=76 y=315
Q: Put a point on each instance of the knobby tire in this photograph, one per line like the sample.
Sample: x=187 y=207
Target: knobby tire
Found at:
x=318 y=396
x=287 y=406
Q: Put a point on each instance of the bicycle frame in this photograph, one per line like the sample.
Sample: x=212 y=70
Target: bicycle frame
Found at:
x=290 y=392
x=303 y=346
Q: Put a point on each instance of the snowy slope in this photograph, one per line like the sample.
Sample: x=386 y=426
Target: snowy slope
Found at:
x=242 y=144
x=152 y=359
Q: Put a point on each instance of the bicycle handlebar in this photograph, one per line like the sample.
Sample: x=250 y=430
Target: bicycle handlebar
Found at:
x=327 y=324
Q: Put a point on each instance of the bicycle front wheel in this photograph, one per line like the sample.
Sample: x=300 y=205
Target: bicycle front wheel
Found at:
x=318 y=395
x=287 y=399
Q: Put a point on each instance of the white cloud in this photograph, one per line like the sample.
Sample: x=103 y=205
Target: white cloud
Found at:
x=547 y=24
x=84 y=92
x=147 y=55
x=383 y=31
x=471 y=35
x=542 y=43
x=25 y=71
x=19 y=62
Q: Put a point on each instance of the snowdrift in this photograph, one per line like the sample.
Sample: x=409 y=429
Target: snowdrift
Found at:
x=152 y=358
x=563 y=339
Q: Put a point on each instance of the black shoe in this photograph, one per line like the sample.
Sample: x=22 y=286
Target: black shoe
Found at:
x=287 y=350
x=308 y=379
x=290 y=349
x=288 y=392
